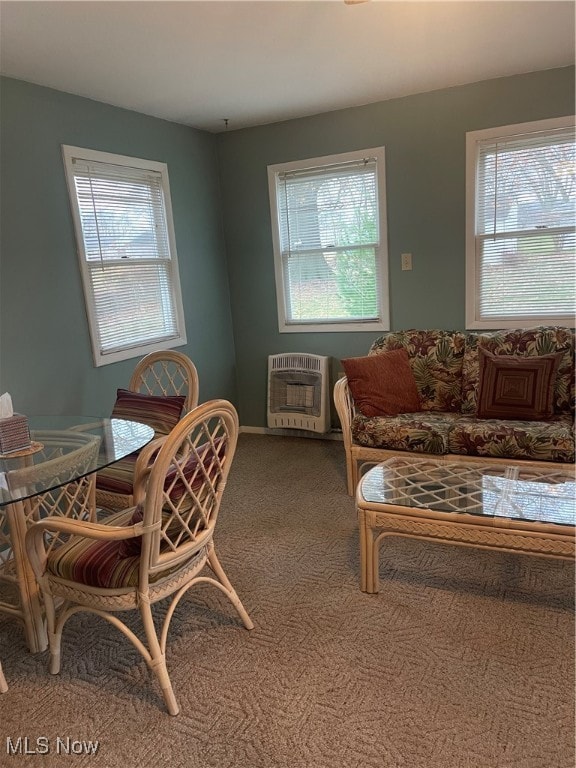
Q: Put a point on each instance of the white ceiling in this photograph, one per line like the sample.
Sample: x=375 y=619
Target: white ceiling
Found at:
x=260 y=62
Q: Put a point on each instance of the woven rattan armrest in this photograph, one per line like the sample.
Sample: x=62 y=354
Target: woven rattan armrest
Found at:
x=80 y=528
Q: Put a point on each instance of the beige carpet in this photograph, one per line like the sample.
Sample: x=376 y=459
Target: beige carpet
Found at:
x=465 y=659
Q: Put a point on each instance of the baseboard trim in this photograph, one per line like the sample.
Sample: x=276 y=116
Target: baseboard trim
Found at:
x=334 y=434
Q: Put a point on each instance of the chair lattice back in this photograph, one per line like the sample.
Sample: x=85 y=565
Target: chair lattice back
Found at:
x=167 y=373
x=184 y=487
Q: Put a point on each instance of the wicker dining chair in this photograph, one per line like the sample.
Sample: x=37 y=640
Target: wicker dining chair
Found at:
x=155 y=550
x=167 y=373
x=165 y=386
x=3 y=683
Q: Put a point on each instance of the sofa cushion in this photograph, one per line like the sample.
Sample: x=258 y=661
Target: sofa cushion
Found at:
x=517 y=387
x=424 y=432
x=536 y=440
x=382 y=385
x=436 y=360
x=525 y=342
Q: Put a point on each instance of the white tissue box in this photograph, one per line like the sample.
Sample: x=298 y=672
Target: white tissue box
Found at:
x=14 y=433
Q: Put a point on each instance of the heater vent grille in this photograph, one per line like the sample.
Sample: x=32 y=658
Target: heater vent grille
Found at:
x=297 y=362
x=298 y=392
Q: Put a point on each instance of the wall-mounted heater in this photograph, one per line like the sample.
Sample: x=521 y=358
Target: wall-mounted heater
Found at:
x=298 y=395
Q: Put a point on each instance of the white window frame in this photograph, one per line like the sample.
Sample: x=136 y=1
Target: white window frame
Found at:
x=473 y=138
x=381 y=251
x=101 y=357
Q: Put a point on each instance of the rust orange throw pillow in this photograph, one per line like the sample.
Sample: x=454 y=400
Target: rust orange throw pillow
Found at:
x=514 y=387
x=382 y=385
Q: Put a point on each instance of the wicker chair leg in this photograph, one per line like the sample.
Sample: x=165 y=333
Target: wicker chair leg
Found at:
x=355 y=475
x=55 y=629
x=351 y=465
x=3 y=683
x=230 y=591
x=157 y=662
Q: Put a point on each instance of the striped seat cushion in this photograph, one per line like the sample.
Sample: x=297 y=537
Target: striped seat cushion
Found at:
x=94 y=563
x=162 y=413
x=102 y=564
x=118 y=477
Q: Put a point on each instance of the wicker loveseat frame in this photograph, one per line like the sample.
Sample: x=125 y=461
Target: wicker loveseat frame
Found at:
x=445 y=365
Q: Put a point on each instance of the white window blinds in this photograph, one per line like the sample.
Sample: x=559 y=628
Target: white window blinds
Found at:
x=329 y=242
x=524 y=229
x=125 y=242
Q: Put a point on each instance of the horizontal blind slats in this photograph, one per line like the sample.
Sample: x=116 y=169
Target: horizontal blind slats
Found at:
x=527 y=276
x=133 y=304
x=525 y=225
x=526 y=183
x=127 y=253
x=105 y=170
x=328 y=225
x=335 y=286
x=329 y=209
x=123 y=218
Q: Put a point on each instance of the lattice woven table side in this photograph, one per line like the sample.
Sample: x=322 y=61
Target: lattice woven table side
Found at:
x=479 y=506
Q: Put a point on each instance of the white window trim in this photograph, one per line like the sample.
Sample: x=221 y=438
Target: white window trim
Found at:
x=472 y=274
x=381 y=253
x=69 y=153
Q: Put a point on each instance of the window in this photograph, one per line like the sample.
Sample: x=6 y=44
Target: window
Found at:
x=520 y=239
x=329 y=233
x=123 y=221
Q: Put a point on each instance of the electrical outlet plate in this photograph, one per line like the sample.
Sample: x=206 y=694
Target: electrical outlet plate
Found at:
x=406 y=261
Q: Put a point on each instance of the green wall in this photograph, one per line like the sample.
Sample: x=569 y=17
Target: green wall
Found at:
x=424 y=137
x=227 y=274
x=45 y=353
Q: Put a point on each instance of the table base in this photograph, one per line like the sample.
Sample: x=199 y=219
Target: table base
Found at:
x=376 y=524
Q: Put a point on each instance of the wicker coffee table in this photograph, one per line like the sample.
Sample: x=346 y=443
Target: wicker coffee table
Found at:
x=516 y=509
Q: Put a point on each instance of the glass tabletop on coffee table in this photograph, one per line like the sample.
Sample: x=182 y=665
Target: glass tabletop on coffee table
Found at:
x=535 y=494
x=518 y=508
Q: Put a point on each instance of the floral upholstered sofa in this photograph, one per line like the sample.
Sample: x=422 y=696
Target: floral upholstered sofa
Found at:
x=498 y=396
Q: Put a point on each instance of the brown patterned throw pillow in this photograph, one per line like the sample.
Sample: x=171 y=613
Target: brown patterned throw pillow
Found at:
x=516 y=387
x=382 y=385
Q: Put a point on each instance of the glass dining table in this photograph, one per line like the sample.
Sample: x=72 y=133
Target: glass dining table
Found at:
x=55 y=475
